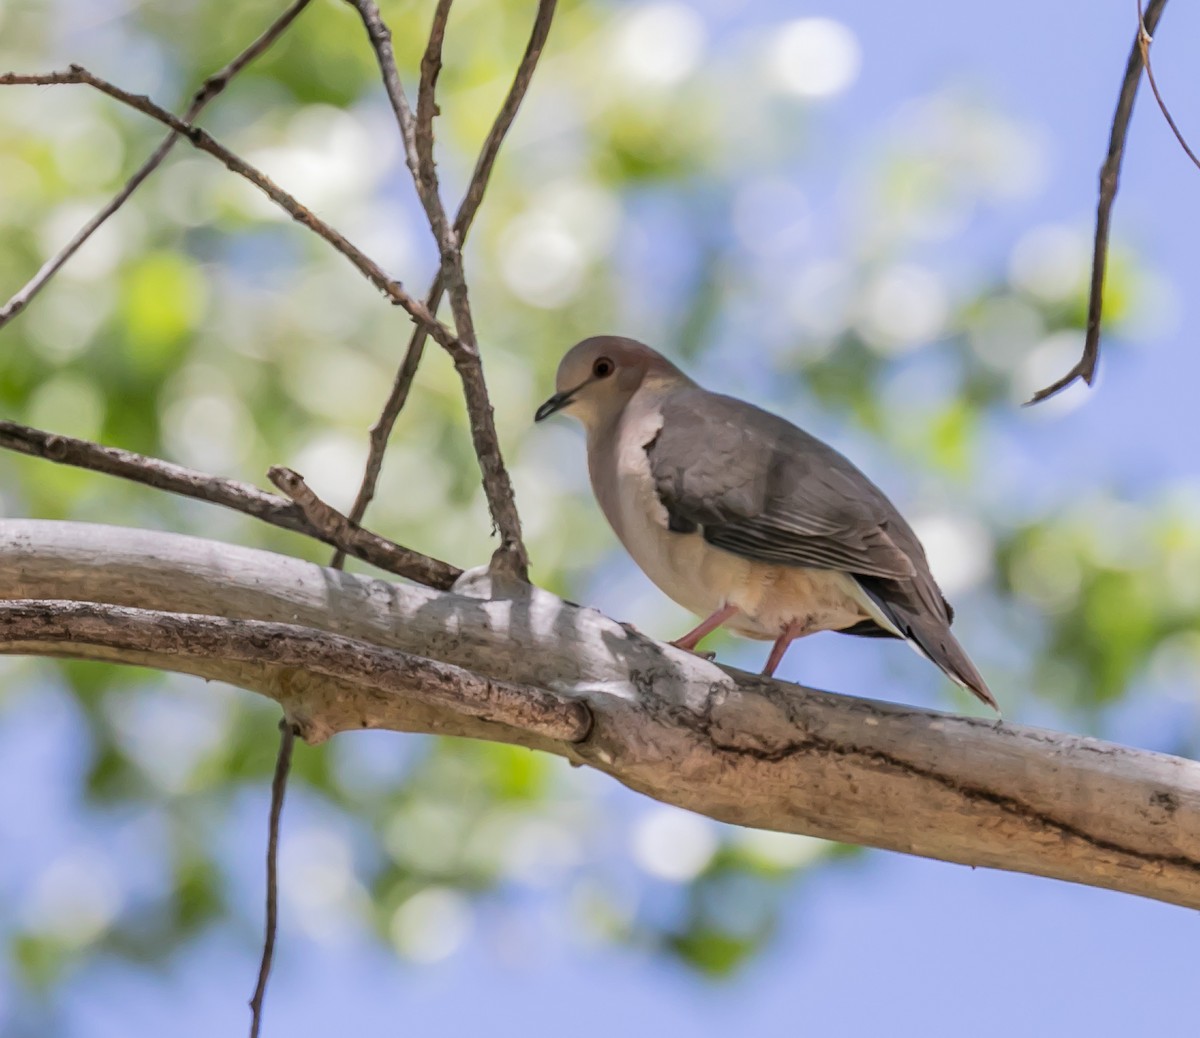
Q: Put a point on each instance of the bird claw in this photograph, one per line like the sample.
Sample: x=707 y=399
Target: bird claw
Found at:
x=633 y=631
x=710 y=656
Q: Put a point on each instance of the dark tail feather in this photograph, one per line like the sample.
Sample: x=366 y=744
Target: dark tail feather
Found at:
x=934 y=640
x=930 y=635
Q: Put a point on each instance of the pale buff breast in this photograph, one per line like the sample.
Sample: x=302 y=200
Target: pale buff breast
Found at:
x=685 y=567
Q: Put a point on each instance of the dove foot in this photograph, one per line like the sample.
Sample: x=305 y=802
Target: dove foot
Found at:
x=690 y=640
x=710 y=656
x=790 y=633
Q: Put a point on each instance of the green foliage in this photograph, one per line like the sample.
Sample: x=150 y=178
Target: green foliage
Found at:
x=40 y=960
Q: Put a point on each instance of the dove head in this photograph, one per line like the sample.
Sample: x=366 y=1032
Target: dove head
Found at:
x=599 y=376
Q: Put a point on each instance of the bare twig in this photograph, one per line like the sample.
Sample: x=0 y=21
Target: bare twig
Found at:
x=511 y=556
x=229 y=493
x=334 y=528
x=426 y=165
x=380 y=36
x=416 y=132
x=283 y=764
x=504 y=118
x=209 y=89
x=321 y=516
x=393 y=290
x=1144 y=41
x=1110 y=172
x=381 y=431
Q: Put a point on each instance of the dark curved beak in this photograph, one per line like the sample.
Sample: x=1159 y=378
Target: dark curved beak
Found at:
x=557 y=402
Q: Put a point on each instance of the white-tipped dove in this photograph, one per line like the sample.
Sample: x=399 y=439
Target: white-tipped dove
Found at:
x=744 y=519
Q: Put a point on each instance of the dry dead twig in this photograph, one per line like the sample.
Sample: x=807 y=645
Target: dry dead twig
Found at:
x=330 y=526
x=208 y=90
x=381 y=431
x=283 y=765
x=416 y=132
x=229 y=493
x=393 y=290
x=1110 y=173
x=1144 y=40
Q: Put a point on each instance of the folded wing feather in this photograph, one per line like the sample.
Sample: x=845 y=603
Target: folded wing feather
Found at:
x=763 y=489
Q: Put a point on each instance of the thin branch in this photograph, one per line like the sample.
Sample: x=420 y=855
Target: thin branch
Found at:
x=381 y=431
x=1144 y=41
x=380 y=36
x=393 y=290
x=229 y=493
x=332 y=527
x=504 y=118
x=209 y=89
x=283 y=764
x=511 y=557
x=1110 y=172
x=427 y=108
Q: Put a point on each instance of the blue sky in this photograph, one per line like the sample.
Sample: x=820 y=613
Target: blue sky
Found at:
x=889 y=942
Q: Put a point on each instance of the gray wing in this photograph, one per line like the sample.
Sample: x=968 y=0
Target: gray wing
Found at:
x=761 y=488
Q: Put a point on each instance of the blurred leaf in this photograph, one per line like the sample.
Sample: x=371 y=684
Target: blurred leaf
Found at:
x=162 y=300
x=714 y=953
x=197 y=892
x=40 y=960
x=951 y=439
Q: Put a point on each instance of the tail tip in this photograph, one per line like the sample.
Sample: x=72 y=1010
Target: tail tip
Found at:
x=981 y=692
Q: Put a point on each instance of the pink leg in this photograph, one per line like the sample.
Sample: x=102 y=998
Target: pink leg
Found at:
x=690 y=640
x=790 y=633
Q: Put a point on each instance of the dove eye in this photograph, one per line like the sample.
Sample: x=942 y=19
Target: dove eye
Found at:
x=603 y=368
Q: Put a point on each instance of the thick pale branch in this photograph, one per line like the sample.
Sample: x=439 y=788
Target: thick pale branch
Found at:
x=332 y=528
x=669 y=724
x=209 y=89
x=281 y=647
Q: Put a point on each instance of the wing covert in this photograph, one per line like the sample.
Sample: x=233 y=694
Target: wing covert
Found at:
x=761 y=488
